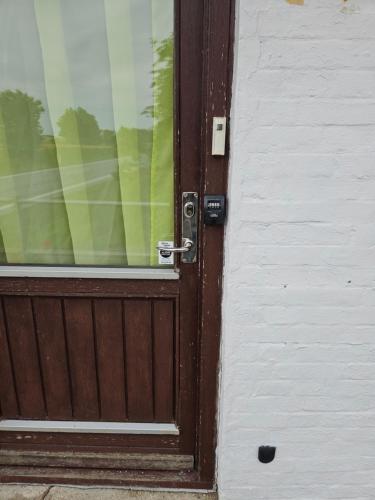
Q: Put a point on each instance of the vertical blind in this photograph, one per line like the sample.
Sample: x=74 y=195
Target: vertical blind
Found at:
x=86 y=131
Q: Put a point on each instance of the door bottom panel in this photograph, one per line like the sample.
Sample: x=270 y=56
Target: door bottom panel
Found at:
x=79 y=358
x=119 y=461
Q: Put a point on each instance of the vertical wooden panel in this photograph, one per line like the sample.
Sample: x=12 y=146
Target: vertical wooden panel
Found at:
x=81 y=352
x=110 y=355
x=24 y=351
x=192 y=29
x=163 y=327
x=218 y=52
x=139 y=360
x=8 y=399
x=53 y=357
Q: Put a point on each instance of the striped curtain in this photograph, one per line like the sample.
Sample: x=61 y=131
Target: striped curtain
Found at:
x=86 y=131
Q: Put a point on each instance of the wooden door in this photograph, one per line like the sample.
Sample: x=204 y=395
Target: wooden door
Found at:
x=108 y=370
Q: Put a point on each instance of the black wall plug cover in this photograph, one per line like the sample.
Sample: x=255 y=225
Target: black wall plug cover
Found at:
x=266 y=454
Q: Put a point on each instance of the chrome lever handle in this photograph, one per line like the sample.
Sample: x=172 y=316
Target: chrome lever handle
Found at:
x=187 y=244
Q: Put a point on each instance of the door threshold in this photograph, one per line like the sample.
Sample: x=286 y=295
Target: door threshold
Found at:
x=96 y=460
x=100 y=477
x=88 y=427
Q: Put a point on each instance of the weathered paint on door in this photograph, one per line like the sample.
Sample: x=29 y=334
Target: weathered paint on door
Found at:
x=129 y=350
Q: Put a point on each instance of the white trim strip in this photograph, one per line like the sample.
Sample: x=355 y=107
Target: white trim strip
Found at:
x=88 y=272
x=87 y=427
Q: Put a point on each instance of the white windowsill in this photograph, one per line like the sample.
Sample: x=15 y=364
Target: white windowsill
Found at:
x=87 y=427
x=88 y=272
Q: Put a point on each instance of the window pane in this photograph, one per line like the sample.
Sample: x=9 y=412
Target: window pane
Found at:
x=86 y=131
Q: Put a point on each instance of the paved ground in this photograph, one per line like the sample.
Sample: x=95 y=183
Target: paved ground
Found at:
x=67 y=493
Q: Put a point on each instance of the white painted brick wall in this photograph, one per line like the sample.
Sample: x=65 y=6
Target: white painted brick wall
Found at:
x=299 y=318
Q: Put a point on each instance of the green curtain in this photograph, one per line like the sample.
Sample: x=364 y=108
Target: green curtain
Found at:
x=42 y=210
x=3 y=255
x=124 y=95
x=93 y=226
x=162 y=213
x=10 y=223
x=94 y=196
x=32 y=211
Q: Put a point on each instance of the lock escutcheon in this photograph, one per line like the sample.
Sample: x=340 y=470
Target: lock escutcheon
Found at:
x=189 y=209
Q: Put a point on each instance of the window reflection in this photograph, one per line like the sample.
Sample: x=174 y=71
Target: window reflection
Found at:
x=86 y=131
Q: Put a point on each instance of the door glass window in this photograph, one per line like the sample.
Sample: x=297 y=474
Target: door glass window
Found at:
x=86 y=131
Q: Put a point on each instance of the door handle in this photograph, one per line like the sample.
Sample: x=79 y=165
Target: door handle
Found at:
x=186 y=242
x=189 y=231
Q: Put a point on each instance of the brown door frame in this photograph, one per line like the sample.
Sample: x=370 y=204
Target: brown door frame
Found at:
x=218 y=74
x=215 y=19
x=207 y=44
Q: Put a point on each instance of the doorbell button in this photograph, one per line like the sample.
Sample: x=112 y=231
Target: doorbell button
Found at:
x=219 y=130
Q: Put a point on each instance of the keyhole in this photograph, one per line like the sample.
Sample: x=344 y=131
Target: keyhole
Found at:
x=189 y=209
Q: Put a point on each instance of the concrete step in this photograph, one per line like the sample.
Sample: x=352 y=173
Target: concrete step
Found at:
x=26 y=492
